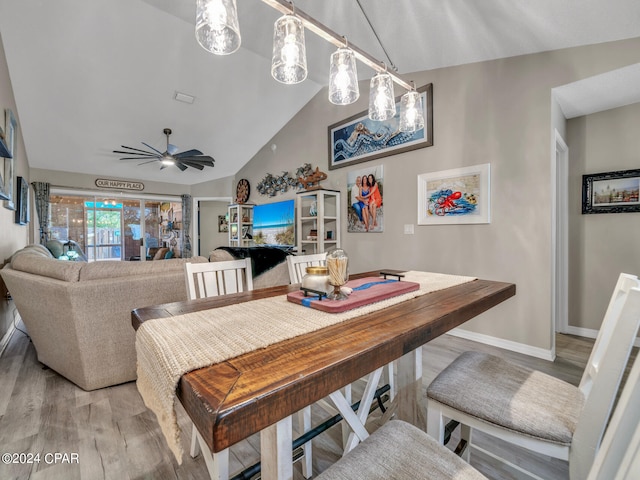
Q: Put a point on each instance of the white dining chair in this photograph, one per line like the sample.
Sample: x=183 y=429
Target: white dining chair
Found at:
x=210 y=280
x=403 y=452
x=297 y=265
x=534 y=410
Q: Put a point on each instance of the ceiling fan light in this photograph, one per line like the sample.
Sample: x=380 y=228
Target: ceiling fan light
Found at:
x=167 y=160
x=382 y=104
x=217 y=28
x=343 y=77
x=411 y=117
x=289 y=62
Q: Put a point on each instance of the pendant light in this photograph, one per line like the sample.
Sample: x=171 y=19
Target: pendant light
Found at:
x=289 y=63
x=217 y=29
x=382 y=104
x=343 y=77
x=411 y=117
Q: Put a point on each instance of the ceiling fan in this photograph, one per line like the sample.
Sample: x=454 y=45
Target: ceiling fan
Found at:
x=183 y=160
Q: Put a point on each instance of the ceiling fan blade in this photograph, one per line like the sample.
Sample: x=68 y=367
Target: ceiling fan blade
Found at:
x=208 y=161
x=181 y=166
x=138 y=150
x=148 y=161
x=139 y=158
x=188 y=153
x=171 y=149
x=134 y=153
x=192 y=164
x=158 y=151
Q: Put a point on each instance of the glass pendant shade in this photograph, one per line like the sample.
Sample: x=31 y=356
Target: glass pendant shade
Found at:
x=217 y=29
x=289 y=63
x=382 y=104
x=411 y=118
x=343 y=77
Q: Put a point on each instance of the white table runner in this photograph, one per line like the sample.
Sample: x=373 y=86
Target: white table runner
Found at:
x=167 y=348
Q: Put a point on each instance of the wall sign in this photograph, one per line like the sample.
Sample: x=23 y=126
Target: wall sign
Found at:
x=119 y=184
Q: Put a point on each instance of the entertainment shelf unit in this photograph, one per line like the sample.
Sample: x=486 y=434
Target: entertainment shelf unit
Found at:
x=240 y=225
x=325 y=222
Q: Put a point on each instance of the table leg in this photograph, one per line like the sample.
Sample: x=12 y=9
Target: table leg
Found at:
x=217 y=463
x=409 y=397
x=275 y=451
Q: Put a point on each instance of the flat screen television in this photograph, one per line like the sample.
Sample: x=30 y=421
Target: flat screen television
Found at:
x=274 y=224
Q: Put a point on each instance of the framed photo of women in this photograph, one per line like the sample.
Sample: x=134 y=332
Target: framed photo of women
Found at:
x=365 y=210
x=358 y=139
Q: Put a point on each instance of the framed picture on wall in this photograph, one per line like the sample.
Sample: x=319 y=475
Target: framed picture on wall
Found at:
x=22 y=199
x=611 y=192
x=456 y=196
x=223 y=224
x=358 y=139
x=10 y=139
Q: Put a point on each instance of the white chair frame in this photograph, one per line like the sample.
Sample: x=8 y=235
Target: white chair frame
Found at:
x=218 y=278
x=609 y=356
x=297 y=265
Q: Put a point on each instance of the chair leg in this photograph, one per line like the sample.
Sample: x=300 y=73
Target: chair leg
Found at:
x=435 y=422
x=465 y=436
x=304 y=425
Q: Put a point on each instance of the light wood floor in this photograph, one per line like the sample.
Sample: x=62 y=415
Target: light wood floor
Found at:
x=116 y=437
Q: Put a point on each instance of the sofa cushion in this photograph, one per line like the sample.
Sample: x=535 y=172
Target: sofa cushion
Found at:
x=47 y=267
x=32 y=249
x=98 y=270
x=56 y=247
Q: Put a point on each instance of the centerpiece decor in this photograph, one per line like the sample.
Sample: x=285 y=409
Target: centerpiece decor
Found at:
x=337 y=262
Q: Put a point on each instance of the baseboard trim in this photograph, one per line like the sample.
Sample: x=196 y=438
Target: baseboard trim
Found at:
x=590 y=333
x=502 y=343
x=7 y=337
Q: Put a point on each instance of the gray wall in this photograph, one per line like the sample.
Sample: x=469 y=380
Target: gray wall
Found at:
x=12 y=235
x=210 y=237
x=603 y=245
x=498 y=112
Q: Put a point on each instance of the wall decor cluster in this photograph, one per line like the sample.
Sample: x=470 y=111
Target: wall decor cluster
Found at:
x=611 y=192
x=364 y=200
x=456 y=196
x=22 y=200
x=271 y=185
x=360 y=139
x=7 y=170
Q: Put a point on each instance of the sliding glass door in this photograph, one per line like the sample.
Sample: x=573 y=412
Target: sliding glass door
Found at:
x=110 y=229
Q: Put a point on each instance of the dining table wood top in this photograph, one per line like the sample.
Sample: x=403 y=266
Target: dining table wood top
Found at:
x=234 y=399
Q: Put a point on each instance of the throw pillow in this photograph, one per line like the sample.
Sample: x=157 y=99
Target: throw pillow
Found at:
x=168 y=255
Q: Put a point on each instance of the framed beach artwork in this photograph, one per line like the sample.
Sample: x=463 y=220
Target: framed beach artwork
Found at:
x=10 y=140
x=359 y=139
x=611 y=192
x=365 y=206
x=457 y=196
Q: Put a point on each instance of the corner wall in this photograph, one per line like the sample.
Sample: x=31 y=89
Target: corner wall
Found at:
x=12 y=236
x=497 y=112
x=601 y=245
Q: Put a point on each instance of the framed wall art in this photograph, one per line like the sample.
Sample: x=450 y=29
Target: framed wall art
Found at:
x=10 y=138
x=364 y=200
x=359 y=139
x=611 y=192
x=223 y=224
x=22 y=201
x=457 y=196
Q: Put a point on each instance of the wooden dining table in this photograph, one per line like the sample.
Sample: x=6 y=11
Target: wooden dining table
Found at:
x=260 y=390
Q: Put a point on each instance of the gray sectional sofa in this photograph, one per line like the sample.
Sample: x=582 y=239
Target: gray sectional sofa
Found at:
x=79 y=314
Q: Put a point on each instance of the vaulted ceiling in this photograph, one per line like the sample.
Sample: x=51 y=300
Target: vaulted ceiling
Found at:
x=91 y=75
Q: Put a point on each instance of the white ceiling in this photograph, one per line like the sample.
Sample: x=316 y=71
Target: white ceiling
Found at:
x=91 y=75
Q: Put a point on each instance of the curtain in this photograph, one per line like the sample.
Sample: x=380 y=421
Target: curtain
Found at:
x=41 y=193
x=187 y=205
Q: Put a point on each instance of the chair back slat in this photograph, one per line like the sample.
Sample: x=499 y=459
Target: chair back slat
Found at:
x=619 y=454
x=298 y=264
x=604 y=372
x=218 y=278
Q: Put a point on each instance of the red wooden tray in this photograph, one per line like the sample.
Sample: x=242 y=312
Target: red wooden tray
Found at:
x=365 y=291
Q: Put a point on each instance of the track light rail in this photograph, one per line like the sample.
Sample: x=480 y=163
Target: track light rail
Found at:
x=324 y=32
